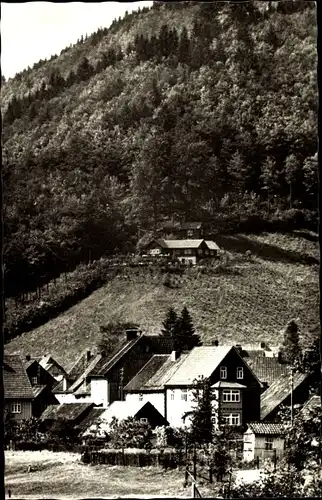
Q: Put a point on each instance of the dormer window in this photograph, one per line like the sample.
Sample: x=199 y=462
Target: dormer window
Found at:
x=240 y=372
x=223 y=372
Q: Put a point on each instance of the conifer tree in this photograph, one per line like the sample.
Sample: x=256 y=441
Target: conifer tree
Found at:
x=290 y=349
x=185 y=324
x=170 y=324
x=202 y=415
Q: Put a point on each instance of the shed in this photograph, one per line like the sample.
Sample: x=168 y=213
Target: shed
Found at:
x=264 y=441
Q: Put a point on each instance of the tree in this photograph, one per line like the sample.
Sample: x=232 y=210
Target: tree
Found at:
x=185 y=324
x=202 y=423
x=291 y=169
x=170 y=324
x=269 y=178
x=130 y=433
x=290 y=349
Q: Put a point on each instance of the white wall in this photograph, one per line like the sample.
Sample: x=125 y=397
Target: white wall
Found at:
x=155 y=398
x=68 y=398
x=177 y=407
x=254 y=446
x=100 y=392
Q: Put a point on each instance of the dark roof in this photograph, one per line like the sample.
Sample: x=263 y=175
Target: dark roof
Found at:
x=262 y=428
x=59 y=387
x=266 y=369
x=48 y=362
x=80 y=366
x=280 y=389
x=82 y=378
x=159 y=344
x=252 y=354
x=192 y=225
x=109 y=361
x=37 y=389
x=66 y=411
x=313 y=403
x=15 y=379
x=140 y=380
x=91 y=418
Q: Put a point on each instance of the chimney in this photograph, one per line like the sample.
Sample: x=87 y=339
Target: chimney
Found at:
x=215 y=343
x=238 y=348
x=131 y=334
x=28 y=357
x=174 y=355
x=263 y=345
x=88 y=356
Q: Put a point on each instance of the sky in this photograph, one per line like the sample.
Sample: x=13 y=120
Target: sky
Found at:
x=32 y=31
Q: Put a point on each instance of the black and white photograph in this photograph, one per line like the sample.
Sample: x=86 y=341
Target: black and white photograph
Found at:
x=160 y=250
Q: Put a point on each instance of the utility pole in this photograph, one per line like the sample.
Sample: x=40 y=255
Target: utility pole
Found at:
x=292 y=388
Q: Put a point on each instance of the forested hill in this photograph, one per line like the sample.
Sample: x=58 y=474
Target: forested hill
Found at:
x=189 y=111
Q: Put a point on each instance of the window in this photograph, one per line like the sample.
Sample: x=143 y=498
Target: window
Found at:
x=187 y=251
x=172 y=395
x=231 y=419
x=200 y=251
x=140 y=397
x=240 y=372
x=231 y=396
x=268 y=443
x=143 y=420
x=16 y=407
x=223 y=372
x=190 y=233
x=34 y=380
x=184 y=394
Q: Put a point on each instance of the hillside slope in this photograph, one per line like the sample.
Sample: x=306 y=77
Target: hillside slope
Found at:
x=191 y=111
x=248 y=299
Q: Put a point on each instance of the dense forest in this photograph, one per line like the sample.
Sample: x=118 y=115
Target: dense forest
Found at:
x=188 y=111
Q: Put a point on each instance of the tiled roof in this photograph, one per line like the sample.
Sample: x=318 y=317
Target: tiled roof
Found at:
x=59 y=387
x=141 y=379
x=201 y=361
x=311 y=404
x=91 y=366
x=159 y=344
x=91 y=418
x=279 y=391
x=267 y=428
x=228 y=385
x=66 y=411
x=161 y=377
x=267 y=369
x=252 y=354
x=15 y=379
x=122 y=410
x=48 y=362
x=174 y=244
x=212 y=245
x=108 y=362
x=80 y=366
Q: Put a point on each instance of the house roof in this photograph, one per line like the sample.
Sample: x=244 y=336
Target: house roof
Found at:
x=66 y=411
x=201 y=361
x=155 y=373
x=262 y=428
x=141 y=379
x=267 y=369
x=311 y=404
x=48 y=362
x=123 y=409
x=80 y=365
x=280 y=389
x=37 y=389
x=212 y=245
x=109 y=361
x=15 y=379
x=228 y=385
x=82 y=378
x=91 y=418
x=176 y=244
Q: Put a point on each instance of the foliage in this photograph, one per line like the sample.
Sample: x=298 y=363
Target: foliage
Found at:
x=202 y=418
x=171 y=437
x=290 y=350
x=129 y=433
x=172 y=111
x=185 y=323
x=170 y=324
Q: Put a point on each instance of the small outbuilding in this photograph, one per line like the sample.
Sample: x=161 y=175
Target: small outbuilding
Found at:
x=264 y=441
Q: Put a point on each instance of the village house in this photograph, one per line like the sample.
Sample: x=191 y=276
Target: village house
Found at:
x=101 y=378
x=143 y=412
x=185 y=230
x=73 y=413
x=187 y=251
x=236 y=388
x=52 y=367
x=279 y=393
x=42 y=385
x=264 y=441
x=167 y=382
x=18 y=392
